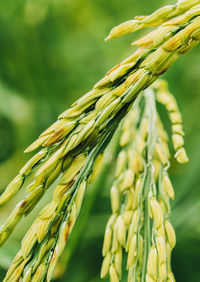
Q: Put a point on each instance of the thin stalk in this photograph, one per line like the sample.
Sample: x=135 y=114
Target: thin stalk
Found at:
x=151 y=140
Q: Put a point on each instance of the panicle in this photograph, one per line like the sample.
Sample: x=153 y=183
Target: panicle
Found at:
x=159 y=17
x=141 y=192
x=167 y=99
x=45 y=241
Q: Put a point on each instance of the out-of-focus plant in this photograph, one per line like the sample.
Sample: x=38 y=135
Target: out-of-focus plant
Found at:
x=74 y=145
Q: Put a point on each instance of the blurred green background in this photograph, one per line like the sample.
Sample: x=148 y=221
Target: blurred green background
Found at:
x=51 y=53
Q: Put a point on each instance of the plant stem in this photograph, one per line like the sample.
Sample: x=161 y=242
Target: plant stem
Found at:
x=151 y=140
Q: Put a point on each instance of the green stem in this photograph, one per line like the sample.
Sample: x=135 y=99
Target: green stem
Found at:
x=151 y=140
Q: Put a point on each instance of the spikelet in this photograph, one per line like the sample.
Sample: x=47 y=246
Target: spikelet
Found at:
x=97 y=167
x=167 y=186
x=106 y=265
x=171 y=236
x=107 y=241
x=115 y=199
x=132 y=252
x=157 y=213
x=152 y=263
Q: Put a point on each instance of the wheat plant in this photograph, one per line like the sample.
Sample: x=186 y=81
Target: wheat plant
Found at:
x=71 y=153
